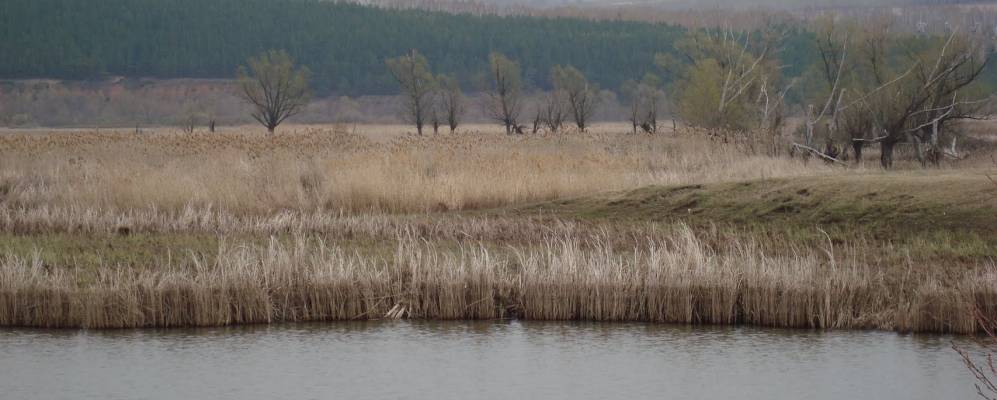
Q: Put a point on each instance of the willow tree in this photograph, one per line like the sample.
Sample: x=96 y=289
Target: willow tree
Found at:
x=582 y=96
x=888 y=89
x=274 y=87
x=450 y=100
x=727 y=72
x=505 y=94
x=417 y=85
x=644 y=98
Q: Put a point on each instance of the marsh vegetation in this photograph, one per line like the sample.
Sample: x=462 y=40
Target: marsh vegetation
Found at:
x=117 y=229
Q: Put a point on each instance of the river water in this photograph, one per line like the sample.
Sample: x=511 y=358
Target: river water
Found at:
x=478 y=360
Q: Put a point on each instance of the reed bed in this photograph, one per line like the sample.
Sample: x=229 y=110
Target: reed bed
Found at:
x=673 y=278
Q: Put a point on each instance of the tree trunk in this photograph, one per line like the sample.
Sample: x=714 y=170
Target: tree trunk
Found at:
x=857 y=147
x=886 y=154
x=918 y=148
x=935 y=155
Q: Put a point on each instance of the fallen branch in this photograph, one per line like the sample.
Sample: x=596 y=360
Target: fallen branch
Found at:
x=874 y=140
x=819 y=154
x=954 y=156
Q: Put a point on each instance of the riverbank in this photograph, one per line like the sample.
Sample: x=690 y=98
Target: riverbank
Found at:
x=786 y=244
x=670 y=277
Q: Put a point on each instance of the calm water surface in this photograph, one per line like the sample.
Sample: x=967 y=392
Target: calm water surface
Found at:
x=478 y=360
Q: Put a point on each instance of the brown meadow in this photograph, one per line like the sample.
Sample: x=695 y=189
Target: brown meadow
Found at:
x=370 y=171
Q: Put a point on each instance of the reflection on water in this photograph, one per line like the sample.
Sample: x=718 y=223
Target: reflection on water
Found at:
x=470 y=360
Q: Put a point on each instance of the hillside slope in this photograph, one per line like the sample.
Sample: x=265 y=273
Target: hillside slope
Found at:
x=952 y=213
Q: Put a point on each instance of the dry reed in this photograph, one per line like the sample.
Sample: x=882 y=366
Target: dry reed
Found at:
x=672 y=278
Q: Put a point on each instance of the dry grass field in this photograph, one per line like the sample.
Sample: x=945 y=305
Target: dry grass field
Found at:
x=117 y=228
x=377 y=169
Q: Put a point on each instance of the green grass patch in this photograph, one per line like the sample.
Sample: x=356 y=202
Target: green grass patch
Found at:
x=928 y=216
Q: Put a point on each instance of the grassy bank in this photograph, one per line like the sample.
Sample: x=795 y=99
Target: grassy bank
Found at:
x=940 y=216
x=115 y=230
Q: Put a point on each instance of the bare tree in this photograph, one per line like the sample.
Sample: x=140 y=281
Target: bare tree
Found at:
x=582 y=97
x=935 y=76
x=274 y=87
x=436 y=114
x=631 y=93
x=645 y=98
x=538 y=121
x=552 y=111
x=951 y=99
x=451 y=100
x=653 y=97
x=505 y=97
x=188 y=123
x=882 y=90
x=846 y=52
x=984 y=371
x=417 y=85
x=190 y=112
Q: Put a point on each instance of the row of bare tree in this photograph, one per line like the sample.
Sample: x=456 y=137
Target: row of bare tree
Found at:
x=428 y=98
x=277 y=89
x=871 y=86
x=882 y=88
x=432 y=99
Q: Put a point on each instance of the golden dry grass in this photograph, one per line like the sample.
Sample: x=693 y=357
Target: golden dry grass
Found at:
x=342 y=171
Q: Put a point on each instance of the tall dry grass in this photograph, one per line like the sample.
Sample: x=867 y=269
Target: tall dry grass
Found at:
x=342 y=171
x=674 y=278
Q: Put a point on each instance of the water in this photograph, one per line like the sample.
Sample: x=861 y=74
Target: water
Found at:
x=478 y=360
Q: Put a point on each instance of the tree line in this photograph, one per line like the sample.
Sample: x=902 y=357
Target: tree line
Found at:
x=277 y=89
x=434 y=99
x=870 y=87
x=344 y=45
